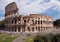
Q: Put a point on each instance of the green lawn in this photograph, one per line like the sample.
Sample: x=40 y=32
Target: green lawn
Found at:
x=7 y=38
x=29 y=39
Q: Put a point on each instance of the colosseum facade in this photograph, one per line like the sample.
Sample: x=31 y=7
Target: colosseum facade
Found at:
x=15 y=22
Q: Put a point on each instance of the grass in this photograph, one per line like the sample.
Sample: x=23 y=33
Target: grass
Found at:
x=7 y=38
x=29 y=39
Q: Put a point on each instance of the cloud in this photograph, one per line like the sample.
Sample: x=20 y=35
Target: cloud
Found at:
x=54 y=12
x=46 y=0
x=34 y=6
x=1 y=18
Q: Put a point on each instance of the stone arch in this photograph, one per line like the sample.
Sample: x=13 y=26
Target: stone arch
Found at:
x=32 y=28
x=28 y=28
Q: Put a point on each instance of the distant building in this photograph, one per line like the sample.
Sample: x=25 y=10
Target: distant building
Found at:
x=15 y=22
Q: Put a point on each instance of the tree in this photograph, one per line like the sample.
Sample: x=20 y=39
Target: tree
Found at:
x=57 y=23
x=38 y=38
x=2 y=24
x=47 y=38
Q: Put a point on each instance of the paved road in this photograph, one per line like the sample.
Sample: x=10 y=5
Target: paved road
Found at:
x=21 y=38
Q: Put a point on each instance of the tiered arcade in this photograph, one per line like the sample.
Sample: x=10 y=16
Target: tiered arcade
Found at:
x=15 y=22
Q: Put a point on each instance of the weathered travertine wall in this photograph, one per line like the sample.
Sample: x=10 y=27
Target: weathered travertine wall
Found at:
x=32 y=23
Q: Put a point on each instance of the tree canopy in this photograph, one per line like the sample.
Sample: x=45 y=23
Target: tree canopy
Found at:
x=47 y=38
x=2 y=24
x=57 y=22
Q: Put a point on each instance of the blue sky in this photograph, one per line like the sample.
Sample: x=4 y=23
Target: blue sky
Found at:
x=26 y=7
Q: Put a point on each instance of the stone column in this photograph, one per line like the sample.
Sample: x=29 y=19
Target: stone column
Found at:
x=30 y=29
x=37 y=21
x=21 y=29
x=26 y=29
x=35 y=29
x=17 y=29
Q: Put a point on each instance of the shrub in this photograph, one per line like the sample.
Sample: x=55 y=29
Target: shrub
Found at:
x=47 y=38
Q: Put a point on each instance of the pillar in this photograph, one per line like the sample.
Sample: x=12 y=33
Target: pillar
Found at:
x=21 y=29
x=17 y=29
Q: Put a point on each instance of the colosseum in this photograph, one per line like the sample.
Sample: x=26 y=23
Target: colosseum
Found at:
x=15 y=22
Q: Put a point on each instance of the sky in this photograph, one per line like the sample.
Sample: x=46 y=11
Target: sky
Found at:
x=26 y=7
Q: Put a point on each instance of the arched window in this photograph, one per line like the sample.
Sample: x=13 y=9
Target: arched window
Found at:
x=32 y=28
x=38 y=22
x=33 y=21
x=41 y=21
x=12 y=21
x=18 y=29
x=28 y=28
x=24 y=21
x=38 y=28
x=41 y=26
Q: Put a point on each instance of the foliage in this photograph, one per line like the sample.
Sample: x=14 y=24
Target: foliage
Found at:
x=2 y=24
x=57 y=22
x=47 y=38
